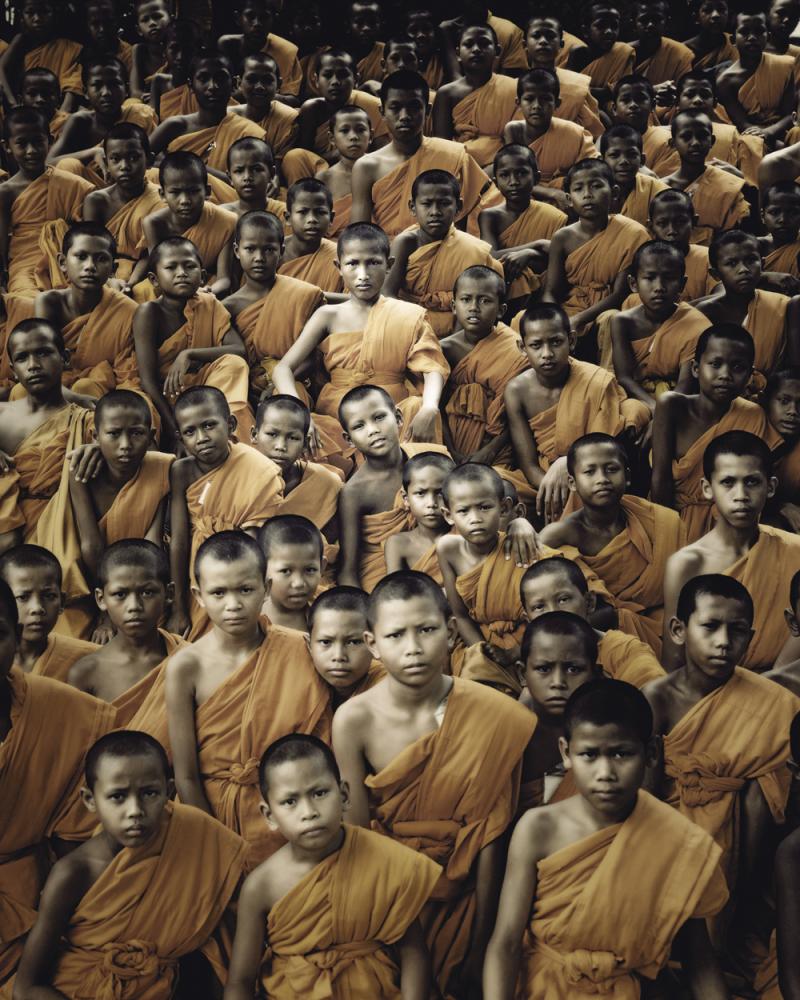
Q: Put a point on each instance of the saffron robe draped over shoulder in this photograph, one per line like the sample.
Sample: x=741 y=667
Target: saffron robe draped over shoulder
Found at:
x=563 y=144
x=539 y=221
x=59 y=655
x=125 y=225
x=647 y=876
x=129 y=702
x=609 y=68
x=328 y=935
x=316 y=268
x=669 y=62
x=660 y=356
x=480 y=117
x=448 y=795
x=760 y=94
x=718 y=203
x=35 y=809
x=212 y=143
x=626 y=658
x=578 y=104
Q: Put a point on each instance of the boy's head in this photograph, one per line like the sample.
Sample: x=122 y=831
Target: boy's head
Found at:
x=547 y=339
x=255 y=18
x=123 y=429
x=292 y=547
x=370 y=420
x=230 y=572
x=176 y=268
x=750 y=34
x=781 y=400
x=127 y=152
x=658 y=275
x=737 y=476
x=692 y=136
x=479 y=300
x=602 y=24
x=598 y=470
x=672 y=217
x=557 y=655
x=634 y=100
x=782 y=17
x=260 y=80
x=39 y=89
x=474 y=501
x=555 y=584
x=134 y=587
x=538 y=96
x=516 y=172
x=735 y=259
x=544 y=40
x=792 y=613
x=780 y=211
x=590 y=188
x=723 y=362
x=105 y=82
x=423 y=478
x=26 y=138
x=649 y=19
x=183 y=180
x=713 y=623
x=87 y=255
x=435 y=202
x=335 y=76
x=127 y=784
x=205 y=424
x=608 y=744
x=621 y=149
x=477 y=48
x=351 y=131
x=337 y=621
x=38 y=356
x=364 y=259
x=712 y=16
x=281 y=428
x=696 y=92
x=9 y=629
x=258 y=244
x=38 y=18
x=34 y=575
x=152 y=20
x=251 y=167
x=400 y=53
x=309 y=209
x=422 y=25
x=181 y=42
x=364 y=20
x=404 y=103
x=304 y=797
x=410 y=628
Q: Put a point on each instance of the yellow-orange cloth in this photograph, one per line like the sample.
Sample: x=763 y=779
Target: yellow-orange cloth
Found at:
x=637 y=205
x=125 y=225
x=539 y=221
x=669 y=62
x=563 y=144
x=626 y=658
x=129 y=702
x=59 y=655
x=60 y=56
x=766 y=323
x=316 y=268
x=480 y=117
x=284 y=53
x=760 y=95
x=659 y=357
x=784 y=259
x=608 y=69
x=212 y=143
x=578 y=104
x=316 y=496
x=718 y=203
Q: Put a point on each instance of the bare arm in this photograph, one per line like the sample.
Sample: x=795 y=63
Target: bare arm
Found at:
x=782 y=165
x=468 y=630
x=625 y=363
x=249 y=943
x=662 y=484
x=144 y=342
x=556 y=286
x=700 y=964
x=6 y=202
x=361 y=209
x=681 y=567
x=613 y=300
x=165 y=133
x=416 y=976
x=179 y=545
x=182 y=729
x=787 y=879
x=442 y=114
x=522 y=438
x=350 y=518
x=401 y=249
x=348 y=746
x=312 y=334
x=10 y=62
x=86 y=520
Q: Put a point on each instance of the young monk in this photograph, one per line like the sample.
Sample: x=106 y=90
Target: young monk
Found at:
x=134 y=592
x=103 y=24
x=780 y=213
x=658 y=58
x=737 y=478
x=270 y=310
x=588 y=259
x=253 y=174
x=712 y=44
x=624 y=539
x=36 y=43
x=34 y=575
x=256 y=19
x=653 y=343
x=170 y=88
x=296 y=894
x=219 y=486
x=483 y=356
x=126 y=202
x=604 y=59
x=146 y=846
x=558 y=584
x=152 y=20
x=34 y=206
x=716 y=194
x=209 y=703
x=428 y=258
x=351 y=134
x=785 y=672
x=39 y=89
x=758 y=88
x=558 y=400
x=415 y=548
x=564 y=863
x=382 y=179
x=769 y=317
x=781 y=402
x=259 y=85
x=410 y=631
x=722 y=725
x=422 y=26
x=38 y=815
x=293 y=551
x=337 y=621
x=621 y=148
x=307 y=255
x=519 y=231
x=685 y=425
x=672 y=219
x=36 y=431
x=556 y=142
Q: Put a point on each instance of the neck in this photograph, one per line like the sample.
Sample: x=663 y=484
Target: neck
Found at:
x=555 y=381
x=481 y=551
x=116 y=477
x=174 y=303
x=519 y=205
x=742 y=299
x=431 y=534
x=393 y=459
x=711 y=410
x=107 y=121
x=605 y=518
x=536 y=131
x=750 y=62
x=691 y=171
x=594 y=226
x=662 y=317
x=84 y=300
x=262 y=287
x=478 y=77
x=257 y=204
x=411 y=697
x=283 y=616
x=699 y=683
x=244 y=643
x=315 y=857
x=134 y=648
x=740 y=538
x=48 y=400
x=183 y=227
x=474 y=337
x=28 y=652
x=602 y=821
x=257 y=113
x=409 y=146
x=301 y=247
x=647 y=46
x=206 y=117
x=32 y=175
x=132 y=190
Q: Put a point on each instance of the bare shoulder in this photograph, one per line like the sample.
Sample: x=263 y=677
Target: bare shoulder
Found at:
x=536 y=832
x=82 y=673
x=672 y=402
x=688 y=561
x=356 y=713
x=448 y=545
x=559 y=533
x=185 y=664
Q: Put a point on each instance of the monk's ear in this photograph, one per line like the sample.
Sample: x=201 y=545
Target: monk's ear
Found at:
x=412 y=207
x=563 y=749
x=520 y=510
x=232 y=424
x=695 y=369
x=369 y=639
x=169 y=593
x=683 y=282
x=99 y=599
x=398 y=416
x=792 y=623
x=573 y=340
x=344 y=791
x=652 y=752
x=151 y=277
x=571 y=484
x=633 y=283
x=590 y=600
x=677 y=631
x=62 y=263
x=446 y=514
x=197 y=597
x=307 y=641
x=705 y=486
x=404 y=495
x=236 y=249
x=712 y=270
x=519 y=666
x=266 y=812
x=772 y=486
x=170 y=789
x=452 y=633
x=87 y=797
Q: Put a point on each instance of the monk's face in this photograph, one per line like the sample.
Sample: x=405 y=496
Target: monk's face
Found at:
x=554 y=591
x=135 y=600
x=783 y=408
x=89 y=262
x=633 y=105
x=280 y=435
x=8 y=642
x=716 y=636
x=750 y=36
x=352 y=133
x=696 y=95
x=126 y=162
x=435 y=207
x=547 y=345
x=178 y=272
x=231 y=591
x=36 y=360
x=603 y=28
x=106 y=89
x=101 y=24
x=260 y=82
x=543 y=40
x=363 y=264
x=421 y=27
x=256 y=20
x=712 y=16
x=124 y=436
x=365 y=20
x=37 y=591
x=128 y=797
x=310 y=216
x=412 y=639
x=740 y=488
x=372 y=425
x=404 y=113
x=152 y=20
x=336 y=643
x=781 y=216
x=250 y=174
x=556 y=666
x=649 y=19
x=306 y=804
x=258 y=251
x=608 y=764
x=402 y=55
x=782 y=18
x=477 y=50
x=185 y=193
x=475 y=510
x=212 y=84
x=336 y=78
x=624 y=156
x=205 y=432
x=739 y=266
x=40 y=91
x=424 y=499
x=293 y=574
x=692 y=138
x=723 y=370
x=38 y=18
x=538 y=105
x=28 y=145
x=477 y=305
x=671 y=223
x=590 y=193
x=515 y=176
x=599 y=476
x=659 y=281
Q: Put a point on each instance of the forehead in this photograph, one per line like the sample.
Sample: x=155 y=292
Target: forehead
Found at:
x=427 y=477
x=327 y=61
x=630 y=90
x=199 y=412
x=789 y=198
x=30 y=340
x=696 y=121
x=152 y=7
x=719 y=607
x=292 y=775
x=360 y=246
x=435 y=189
x=751 y=21
x=517 y=160
x=228 y=572
x=722 y=346
x=671 y=209
x=476 y=30
x=727 y=464
x=538 y=23
x=740 y=246
x=249 y=154
x=190 y=174
x=351 y=118
x=310 y=198
x=477 y=286
x=132 y=573
x=531 y=90
x=90 y=244
x=211 y=66
x=552 y=580
x=128 y=146
x=622 y=142
x=283 y=418
x=100 y=70
x=360 y=408
x=549 y=645
x=393 y=46
x=590 y=174
x=398 y=95
x=171 y=256
x=25 y=130
x=122 y=414
x=35 y=78
x=588 y=454
x=406 y=612
x=338 y=621
x=788 y=386
x=610 y=733
x=282 y=551
x=478 y=489
x=658 y=260
x=113 y=771
x=536 y=328
x=31 y=577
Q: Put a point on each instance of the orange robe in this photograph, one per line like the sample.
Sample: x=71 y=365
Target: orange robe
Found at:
x=392 y=193
x=316 y=268
x=726 y=52
x=784 y=259
x=125 y=225
x=177 y=101
x=39 y=219
x=284 y=53
x=129 y=702
x=608 y=69
x=61 y=652
x=563 y=144
x=212 y=143
x=736 y=734
x=150 y=906
x=448 y=795
x=659 y=357
x=279 y=126
x=433 y=269
x=539 y=221
x=60 y=56
x=274 y=692
x=632 y=566
x=578 y=104
x=696 y=512
x=570 y=42
x=742 y=151
x=41 y=772
x=341 y=218
x=766 y=571
x=476 y=406
x=369 y=67
x=511 y=42
x=766 y=323
x=626 y=658
x=316 y=496
x=637 y=205
x=480 y=117
x=669 y=62
x=621 y=872
x=760 y=95
x=329 y=934
x=210 y=234
x=718 y=203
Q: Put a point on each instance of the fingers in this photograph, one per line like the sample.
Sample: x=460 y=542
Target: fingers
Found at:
x=6 y=462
